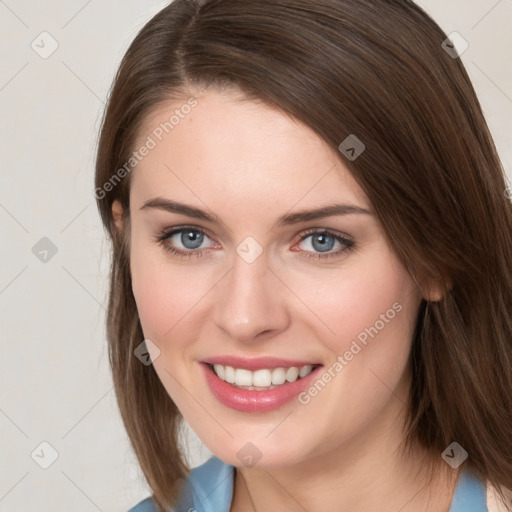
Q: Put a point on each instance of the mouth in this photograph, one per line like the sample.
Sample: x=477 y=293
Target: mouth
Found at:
x=263 y=379
x=259 y=390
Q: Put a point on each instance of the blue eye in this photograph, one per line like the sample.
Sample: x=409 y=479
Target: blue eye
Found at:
x=190 y=238
x=321 y=244
x=324 y=241
x=194 y=238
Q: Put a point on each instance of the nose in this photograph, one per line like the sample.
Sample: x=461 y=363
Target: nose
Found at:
x=251 y=301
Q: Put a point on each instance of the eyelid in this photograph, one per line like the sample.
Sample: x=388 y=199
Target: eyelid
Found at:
x=331 y=232
x=303 y=234
x=166 y=233
x=345 y=240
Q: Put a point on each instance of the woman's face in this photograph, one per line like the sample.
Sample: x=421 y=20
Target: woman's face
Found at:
x=325 y=290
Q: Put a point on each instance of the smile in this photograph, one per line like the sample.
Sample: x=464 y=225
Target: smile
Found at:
x=260 y=380
x=259 y=389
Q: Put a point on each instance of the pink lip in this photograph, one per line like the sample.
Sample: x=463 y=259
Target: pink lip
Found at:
x=257 y=363
x=246 y=400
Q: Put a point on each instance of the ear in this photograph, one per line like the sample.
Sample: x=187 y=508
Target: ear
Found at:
x=434 y=289
x=117 y=214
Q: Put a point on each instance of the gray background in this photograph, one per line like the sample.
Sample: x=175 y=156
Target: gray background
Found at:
x=55 y=380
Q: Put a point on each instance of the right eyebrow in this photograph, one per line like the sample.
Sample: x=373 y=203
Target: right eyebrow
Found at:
x=175 y=207
x=285 y=220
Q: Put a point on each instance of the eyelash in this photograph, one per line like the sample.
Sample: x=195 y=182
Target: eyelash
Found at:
x=163 y=237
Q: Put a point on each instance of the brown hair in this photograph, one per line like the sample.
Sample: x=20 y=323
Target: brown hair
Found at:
x=376 y=69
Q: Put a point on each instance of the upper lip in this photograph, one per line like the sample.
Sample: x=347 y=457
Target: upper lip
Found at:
x=257 y=363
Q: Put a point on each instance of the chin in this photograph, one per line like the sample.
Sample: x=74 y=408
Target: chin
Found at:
x=259 y=453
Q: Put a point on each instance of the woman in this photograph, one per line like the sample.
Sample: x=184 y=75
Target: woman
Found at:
x=311 y=261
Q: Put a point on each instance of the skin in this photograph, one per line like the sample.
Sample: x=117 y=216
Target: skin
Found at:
x=249 y=164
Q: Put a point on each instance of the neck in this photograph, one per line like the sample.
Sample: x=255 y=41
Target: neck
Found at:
x=367 y=472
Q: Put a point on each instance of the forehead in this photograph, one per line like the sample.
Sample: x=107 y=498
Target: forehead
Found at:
x=228 y=146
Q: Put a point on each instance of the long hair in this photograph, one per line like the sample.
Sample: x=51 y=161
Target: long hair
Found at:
x=376 y=69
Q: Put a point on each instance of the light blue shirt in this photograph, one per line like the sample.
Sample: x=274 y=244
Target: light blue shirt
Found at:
x=209 y=488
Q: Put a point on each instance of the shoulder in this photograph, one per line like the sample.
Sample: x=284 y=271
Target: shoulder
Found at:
x=211 y=482
x=147 y=505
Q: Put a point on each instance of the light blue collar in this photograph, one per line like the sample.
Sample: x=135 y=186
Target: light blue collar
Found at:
x=470 y=494
x=209 y=488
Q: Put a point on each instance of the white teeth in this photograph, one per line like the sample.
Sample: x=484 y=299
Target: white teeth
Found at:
x=292 y=374
x=261 y=378
x=305 y=370
x=264 y=378
x=243 y=377
x=278 y=376
x=219 y=370
x=229 y=374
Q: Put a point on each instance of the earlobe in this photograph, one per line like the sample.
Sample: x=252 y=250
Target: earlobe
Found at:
x=434 y=294
x=435 y=290
x=117 y=214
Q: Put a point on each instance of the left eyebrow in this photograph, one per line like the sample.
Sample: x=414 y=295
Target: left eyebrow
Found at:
x=160 y=203
x=285 y=220
x=320 y=213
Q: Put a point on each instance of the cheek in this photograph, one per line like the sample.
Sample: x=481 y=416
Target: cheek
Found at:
x=366 y=320
x=168 y=304
x=168 y=296
x=373 y=318
x=154 y=289
x=373 y=299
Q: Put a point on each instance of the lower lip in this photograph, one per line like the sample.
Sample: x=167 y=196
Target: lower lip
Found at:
x=246 y=400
